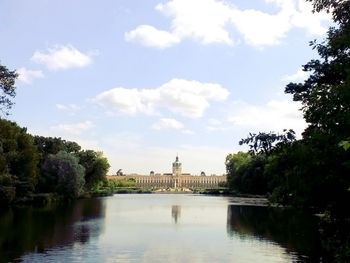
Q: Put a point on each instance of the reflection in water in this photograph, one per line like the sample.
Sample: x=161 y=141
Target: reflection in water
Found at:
x=176 y=212
x=293 y=230
x=138 y=228
x=32 y=229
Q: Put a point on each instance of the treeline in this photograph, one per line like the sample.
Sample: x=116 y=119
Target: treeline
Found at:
x=313 y=171
x=34 y=164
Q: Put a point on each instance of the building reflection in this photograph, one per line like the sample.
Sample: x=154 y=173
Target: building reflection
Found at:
x=176 y=212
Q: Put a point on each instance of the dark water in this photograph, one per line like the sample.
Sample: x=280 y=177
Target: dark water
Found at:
x=158 y=228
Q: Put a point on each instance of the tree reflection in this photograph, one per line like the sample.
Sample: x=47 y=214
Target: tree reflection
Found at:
x=293 y=230
x=31 y=229
x=176 y=212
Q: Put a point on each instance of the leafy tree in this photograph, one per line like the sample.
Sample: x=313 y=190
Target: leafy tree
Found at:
x=245 y=173
x=50 y=145
x=96 y=167
x=236 y=161
x=325 y=98
x=18 y=158
x=266 y=142
x=7 y=88
x=63 y=174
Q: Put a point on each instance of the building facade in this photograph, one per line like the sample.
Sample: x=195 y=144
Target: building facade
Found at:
x=176 y=179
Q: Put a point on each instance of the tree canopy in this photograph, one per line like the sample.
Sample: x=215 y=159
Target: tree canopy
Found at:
x=266 y=142
x=96 y=167
x=64 y=174
x=314 y=170
x=7 y=88
x=38 y=164
x=18 y=158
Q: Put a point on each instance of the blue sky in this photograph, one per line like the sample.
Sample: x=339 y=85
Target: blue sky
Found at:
x=143 y=81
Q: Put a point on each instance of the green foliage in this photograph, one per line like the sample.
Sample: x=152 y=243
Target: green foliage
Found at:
x=7 y=194
x=340 y=9
x=264 y=143
x=7 y=88
x=41 y=164
x=110 y=186
x=130 y=182
x=49 y=145
x=294 y=177
x=314 y=171
x=245 y=173
x=345 y=145
x=63 y=174
x=323 y=167
x=96 y=167
x=237 y=160
x=18 y=158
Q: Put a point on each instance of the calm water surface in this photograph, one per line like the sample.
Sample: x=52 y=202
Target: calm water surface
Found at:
x=157 y=228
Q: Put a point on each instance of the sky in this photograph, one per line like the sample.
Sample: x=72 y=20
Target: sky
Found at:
x=143 y=81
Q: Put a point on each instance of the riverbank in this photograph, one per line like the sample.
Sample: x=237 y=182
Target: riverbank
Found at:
x=42 y=199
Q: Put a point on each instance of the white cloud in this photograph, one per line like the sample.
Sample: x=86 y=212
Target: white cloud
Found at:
x=190 y=97
x=210 y=21
x=168 y=124
x=304 y=18
x=260 y=29
x=187 y=97
x=204 y=20
x=68 y=108
x=62 y=57
x=73 y=128
x=216 y=125
x=298 y=76
x=276 y=115
x=152 y=37
x=27 y=76
x=130 y=101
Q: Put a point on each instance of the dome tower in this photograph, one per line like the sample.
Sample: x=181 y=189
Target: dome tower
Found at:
x=177 y=167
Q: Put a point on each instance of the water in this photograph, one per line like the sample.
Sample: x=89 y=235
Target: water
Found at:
x=157 y=228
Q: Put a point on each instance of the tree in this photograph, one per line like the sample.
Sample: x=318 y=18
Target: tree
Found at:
x=50 y=145
x=325 y=98
x=264 y=143
x=96 y=167
x=325 y=95
x=7 y=88
x=236 y=161
x=18 y=158
x=63 y=174
x=245 y=173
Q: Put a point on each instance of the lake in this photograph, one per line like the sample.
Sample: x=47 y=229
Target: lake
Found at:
x=158 y=228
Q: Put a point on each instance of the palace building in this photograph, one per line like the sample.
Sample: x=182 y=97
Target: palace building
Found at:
x=176 y=179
